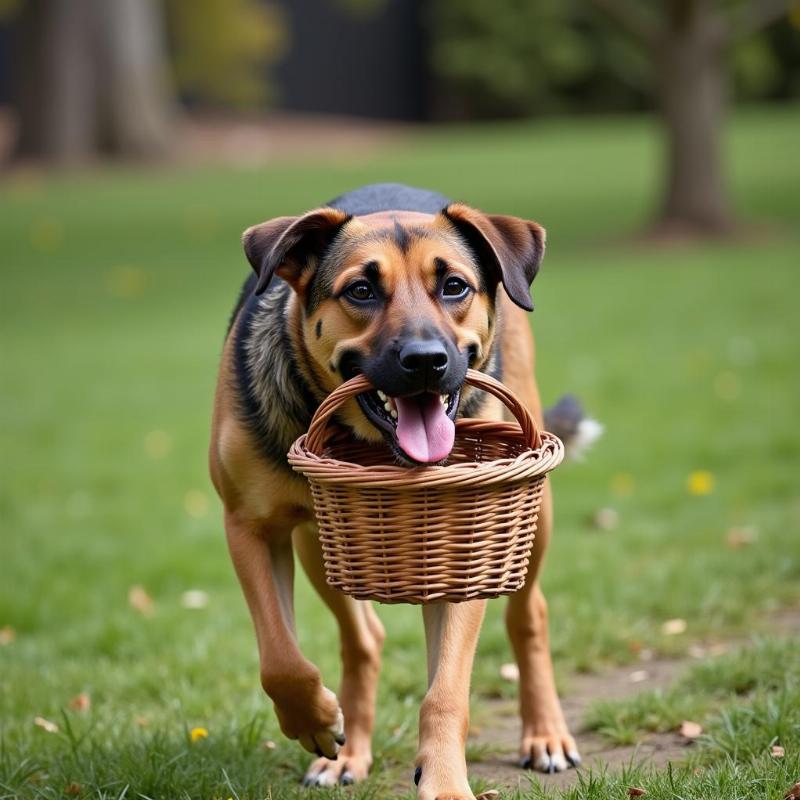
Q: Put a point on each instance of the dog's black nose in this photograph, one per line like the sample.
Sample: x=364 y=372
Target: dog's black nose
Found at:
x=424 y=358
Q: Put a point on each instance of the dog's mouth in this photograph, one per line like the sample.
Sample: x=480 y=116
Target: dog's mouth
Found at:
x=419 y=428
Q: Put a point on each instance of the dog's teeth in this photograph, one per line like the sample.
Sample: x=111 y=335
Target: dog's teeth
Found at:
x=444 y=398
x=387 y=406
x=393 y=413
x=382 y=395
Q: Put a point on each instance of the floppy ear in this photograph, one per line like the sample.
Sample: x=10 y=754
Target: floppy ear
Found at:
x=513 y=248
x=287 y=246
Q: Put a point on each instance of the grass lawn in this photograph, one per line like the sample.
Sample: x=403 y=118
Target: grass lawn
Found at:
x=115 y=292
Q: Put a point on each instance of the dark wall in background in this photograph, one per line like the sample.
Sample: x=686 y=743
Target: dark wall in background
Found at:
x=6 y=54
x=370 y=63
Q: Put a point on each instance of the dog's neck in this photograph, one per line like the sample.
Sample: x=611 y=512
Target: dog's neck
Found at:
x=277 y=402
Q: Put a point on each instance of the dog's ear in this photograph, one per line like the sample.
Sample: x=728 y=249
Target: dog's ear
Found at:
x=513 y=248
x=289 y=246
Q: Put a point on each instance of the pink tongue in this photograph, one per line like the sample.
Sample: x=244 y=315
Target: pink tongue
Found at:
x=424 y=430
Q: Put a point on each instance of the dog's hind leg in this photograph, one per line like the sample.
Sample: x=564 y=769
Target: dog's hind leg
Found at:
x=546 y=742
x=451 y=634
x=261 y=551
x=362 y=636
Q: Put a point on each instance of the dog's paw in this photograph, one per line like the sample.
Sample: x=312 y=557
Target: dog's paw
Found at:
x=318 y=726
x=435 y=782
x=348 y=768
x=553 y=753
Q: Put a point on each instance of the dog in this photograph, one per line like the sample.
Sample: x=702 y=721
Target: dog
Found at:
x=410 y=289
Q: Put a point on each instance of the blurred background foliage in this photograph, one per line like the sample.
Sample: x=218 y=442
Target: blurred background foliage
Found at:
x=524 y=59
x=120 y=76
x=222 y=50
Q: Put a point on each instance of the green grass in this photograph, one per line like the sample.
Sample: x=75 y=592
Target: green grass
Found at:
x=115 y=291
x=747 y=702
x=759 y=674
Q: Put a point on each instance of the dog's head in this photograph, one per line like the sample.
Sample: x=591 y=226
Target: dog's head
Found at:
x=406 y=298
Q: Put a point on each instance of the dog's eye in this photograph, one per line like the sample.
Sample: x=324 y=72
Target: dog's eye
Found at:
x=455 y=287
x=361 y=291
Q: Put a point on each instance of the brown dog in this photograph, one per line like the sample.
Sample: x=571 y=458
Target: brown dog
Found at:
x=411 y=290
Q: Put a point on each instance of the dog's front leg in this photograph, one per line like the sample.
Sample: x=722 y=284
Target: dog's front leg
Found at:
x=307 y=711
x=451 y=634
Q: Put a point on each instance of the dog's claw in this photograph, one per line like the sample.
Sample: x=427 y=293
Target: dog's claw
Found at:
x=417 y=776
x=347 y=779
x=549 y=754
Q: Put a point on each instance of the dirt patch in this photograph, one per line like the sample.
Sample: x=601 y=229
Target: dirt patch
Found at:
x=497 y=731
x=495 y=737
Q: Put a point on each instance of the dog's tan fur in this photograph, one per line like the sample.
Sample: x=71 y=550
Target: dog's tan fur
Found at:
x=268 y=511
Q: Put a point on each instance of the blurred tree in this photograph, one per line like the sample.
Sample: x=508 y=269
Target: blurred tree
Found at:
x=221 y=49
x=516 y=59
x=688 y=42
x=100 y=76
x=92 y=78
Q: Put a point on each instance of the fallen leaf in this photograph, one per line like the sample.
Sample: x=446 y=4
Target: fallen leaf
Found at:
x=194 y=599
x=7 y=635
x=697 y=651
x=157 y=444
x=737 y=538
x=196 y=503
x=73 y=788
x=198 y=733
x=622 y=483
x=126 y=282
x=605 y=519
x=509 y=672
x=636 y=791
x=489 y=794
x=81 y=702
x=142 y=722
x=638 y=676
x=268 y=744
x=793 y=793
x=45 y=724
x=690 y=730
x=673 y=627
x=139 y=600
x=777 y=751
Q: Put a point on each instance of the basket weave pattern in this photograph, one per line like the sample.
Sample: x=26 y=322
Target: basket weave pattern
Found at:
x=455 y=532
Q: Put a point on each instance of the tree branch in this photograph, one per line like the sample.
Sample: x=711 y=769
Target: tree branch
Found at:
x=629 y=16
x=754 y=16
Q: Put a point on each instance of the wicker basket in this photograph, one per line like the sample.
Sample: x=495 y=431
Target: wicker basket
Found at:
x=456 y=532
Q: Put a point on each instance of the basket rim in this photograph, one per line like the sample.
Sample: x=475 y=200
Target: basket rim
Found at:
x=530 y=463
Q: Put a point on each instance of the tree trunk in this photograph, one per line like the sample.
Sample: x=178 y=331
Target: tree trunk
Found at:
x=92 y=79
x=690 y=66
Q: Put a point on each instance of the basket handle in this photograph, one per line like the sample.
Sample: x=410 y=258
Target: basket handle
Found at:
x=315 y=439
